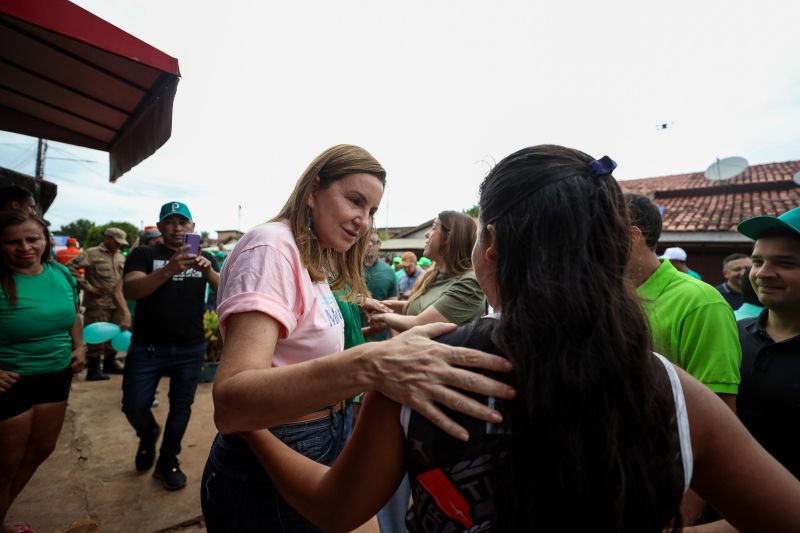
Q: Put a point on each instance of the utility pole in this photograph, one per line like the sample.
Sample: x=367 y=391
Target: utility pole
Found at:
x=41 y=150
x=239 y=223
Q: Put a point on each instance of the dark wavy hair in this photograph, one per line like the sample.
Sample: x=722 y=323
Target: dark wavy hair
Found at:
x=15 y=217
x=592 y=434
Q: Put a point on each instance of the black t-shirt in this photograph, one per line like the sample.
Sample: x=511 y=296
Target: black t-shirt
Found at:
x=456 y=486
x=453 y=482
x=768 y=403
x=734 y=299
x=173 y=314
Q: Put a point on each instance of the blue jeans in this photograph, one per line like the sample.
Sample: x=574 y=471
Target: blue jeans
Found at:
x=236 y=493
x=392 y=517
x=144 y=366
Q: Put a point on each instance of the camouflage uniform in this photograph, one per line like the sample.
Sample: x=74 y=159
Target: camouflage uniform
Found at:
x=103 y=271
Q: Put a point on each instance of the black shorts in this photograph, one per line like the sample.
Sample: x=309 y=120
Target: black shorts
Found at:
x=28 y=391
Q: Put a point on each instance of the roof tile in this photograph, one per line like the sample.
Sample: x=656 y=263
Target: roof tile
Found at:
x=696 y=204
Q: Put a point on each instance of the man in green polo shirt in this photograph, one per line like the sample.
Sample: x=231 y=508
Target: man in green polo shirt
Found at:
x=690 y=323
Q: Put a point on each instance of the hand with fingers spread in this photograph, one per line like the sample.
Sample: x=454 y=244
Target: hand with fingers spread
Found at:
x=7 y=379
x=420 y=373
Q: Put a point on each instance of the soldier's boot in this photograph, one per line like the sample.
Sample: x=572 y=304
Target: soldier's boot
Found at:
x=93 y=372
x=110 y=364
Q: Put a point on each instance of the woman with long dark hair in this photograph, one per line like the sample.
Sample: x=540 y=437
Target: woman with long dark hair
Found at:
x=605 y=435
x=41 y=347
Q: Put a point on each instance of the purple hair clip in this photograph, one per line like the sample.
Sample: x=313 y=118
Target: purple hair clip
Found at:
x=604 y=165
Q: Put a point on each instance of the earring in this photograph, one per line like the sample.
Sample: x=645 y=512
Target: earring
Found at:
x=309 y=220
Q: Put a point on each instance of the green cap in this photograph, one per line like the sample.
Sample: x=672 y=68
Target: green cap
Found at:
x=396 y=260
x=755 y=226
x=424 y=262
x=174 y=208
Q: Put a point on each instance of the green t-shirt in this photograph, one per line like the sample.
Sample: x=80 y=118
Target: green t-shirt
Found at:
x=458 y=297
x=693 y=326
x=351 y=313
x=34 y=335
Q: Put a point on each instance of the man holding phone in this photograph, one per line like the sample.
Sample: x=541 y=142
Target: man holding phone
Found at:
x=168 y=282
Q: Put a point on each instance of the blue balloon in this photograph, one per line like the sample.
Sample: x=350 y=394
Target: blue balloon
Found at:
x=121 y=341
x=100 y=332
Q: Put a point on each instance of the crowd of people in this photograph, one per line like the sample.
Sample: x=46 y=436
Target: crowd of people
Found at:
x=542 y=368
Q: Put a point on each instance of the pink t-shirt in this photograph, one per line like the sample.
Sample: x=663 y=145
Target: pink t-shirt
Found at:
x=264 y=273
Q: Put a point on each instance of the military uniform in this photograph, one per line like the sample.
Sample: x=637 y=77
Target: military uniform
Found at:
x=102 y=269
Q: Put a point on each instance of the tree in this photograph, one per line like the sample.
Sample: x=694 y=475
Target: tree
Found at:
x=96 y=235
x=472 y=211
x=80 y=229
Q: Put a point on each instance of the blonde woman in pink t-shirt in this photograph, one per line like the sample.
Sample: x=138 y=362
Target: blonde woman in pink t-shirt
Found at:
x=283 y=366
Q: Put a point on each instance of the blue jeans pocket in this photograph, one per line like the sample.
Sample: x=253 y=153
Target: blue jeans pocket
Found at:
x=314 y=440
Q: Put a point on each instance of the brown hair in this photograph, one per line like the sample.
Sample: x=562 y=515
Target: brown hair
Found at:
x=15 y=217
x=341 y=270
x=458 y=232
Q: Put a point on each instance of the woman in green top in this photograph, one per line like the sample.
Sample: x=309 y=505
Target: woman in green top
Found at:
x=41 y=346
x=448 y=291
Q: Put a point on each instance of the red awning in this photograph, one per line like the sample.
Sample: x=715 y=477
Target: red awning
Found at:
x=69 y=76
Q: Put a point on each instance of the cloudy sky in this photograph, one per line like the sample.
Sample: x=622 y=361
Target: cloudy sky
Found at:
x=438 y=92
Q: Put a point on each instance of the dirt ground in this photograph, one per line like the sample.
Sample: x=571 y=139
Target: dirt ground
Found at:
x=89 y=483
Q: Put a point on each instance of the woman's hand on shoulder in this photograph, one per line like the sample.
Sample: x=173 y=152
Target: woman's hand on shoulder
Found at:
x=421 y=373
x=78 y=359
x=7 y=379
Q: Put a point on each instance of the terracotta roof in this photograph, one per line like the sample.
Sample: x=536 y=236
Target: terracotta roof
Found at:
x=693 y=203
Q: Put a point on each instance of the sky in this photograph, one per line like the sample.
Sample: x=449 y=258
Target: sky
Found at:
x=438 y=92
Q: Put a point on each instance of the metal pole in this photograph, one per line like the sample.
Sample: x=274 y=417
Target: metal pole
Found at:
x=41 y=150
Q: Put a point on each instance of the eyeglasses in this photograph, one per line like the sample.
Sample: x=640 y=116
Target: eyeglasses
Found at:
x=375 y=241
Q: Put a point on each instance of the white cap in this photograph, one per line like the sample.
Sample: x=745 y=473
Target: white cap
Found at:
x=674 y=254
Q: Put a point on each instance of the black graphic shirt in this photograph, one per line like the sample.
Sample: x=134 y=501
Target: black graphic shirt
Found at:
x=173 y=314
x=452 y=482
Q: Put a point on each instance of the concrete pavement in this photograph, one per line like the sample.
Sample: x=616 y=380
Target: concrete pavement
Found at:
x=89 y=483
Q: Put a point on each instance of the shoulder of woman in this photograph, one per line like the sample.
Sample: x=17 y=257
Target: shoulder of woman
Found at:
x=57 y=267
x=60 y=270
x=466 y=279
x=274 y=234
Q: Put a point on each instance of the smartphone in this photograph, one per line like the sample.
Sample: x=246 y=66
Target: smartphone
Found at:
x=193 y=240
